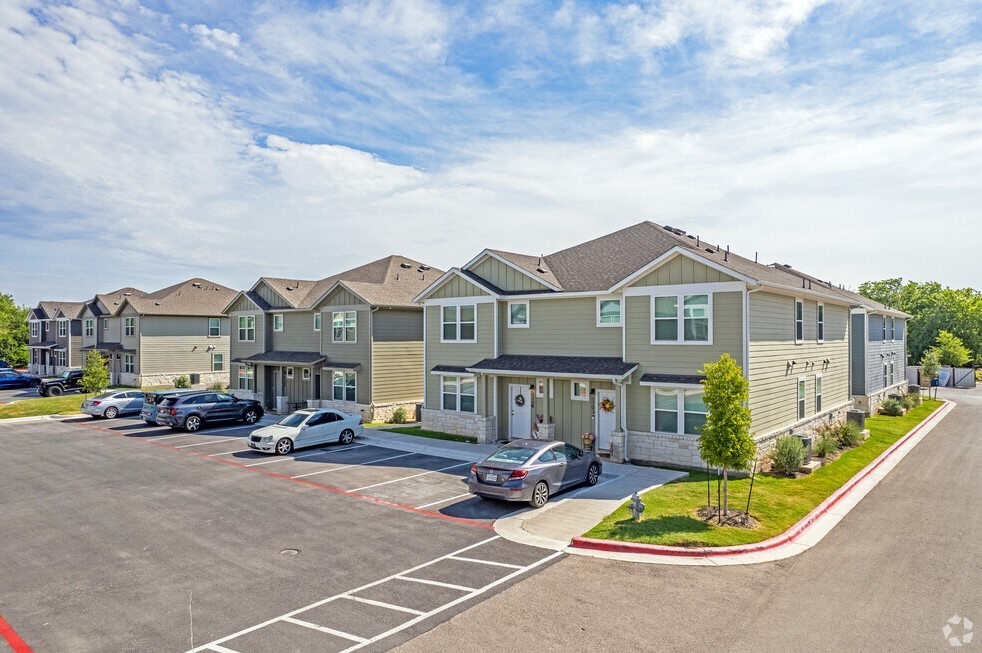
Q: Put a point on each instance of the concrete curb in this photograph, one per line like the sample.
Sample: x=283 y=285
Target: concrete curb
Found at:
x=800 y=537
x=37 y=418
x=463 y=451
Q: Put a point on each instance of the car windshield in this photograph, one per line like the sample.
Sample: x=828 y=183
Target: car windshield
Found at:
x=65 y=375
x=105 y=395
x=296 y=419
x=516 y=455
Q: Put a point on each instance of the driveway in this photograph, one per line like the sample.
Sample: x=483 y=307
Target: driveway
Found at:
x=887 y=578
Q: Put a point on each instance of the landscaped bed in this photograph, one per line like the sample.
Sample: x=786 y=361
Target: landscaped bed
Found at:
x=436 y=435
x=778 y=502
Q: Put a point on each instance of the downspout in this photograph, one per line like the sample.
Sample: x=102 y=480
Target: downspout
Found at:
x=425 y=372
x=623 y=413
x=371 y=358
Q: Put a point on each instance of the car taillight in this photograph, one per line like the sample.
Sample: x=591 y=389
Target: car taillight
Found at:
x=361 y=420
x=172 y=411
x=474 y=470
x=519 y=473
x=96 y=403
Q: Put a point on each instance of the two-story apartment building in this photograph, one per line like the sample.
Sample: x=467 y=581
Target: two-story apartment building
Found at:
x=55 y=337
x=351 y=341
x=609 y=337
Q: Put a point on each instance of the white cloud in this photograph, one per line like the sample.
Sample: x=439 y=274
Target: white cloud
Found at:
x=214 y=38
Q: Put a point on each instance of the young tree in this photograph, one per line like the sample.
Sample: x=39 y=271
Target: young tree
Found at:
x=724 y=440
x=931 y=367
x=14 y=331
x=95 y=373
x=951 y=350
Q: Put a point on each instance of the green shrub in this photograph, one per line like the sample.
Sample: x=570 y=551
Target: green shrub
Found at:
x=399 y=415
x=911 y=400
x=892 y=407
x=825 y=444
x=788 y=454
x=182 y=381
x=218 y=386
x=850 y=434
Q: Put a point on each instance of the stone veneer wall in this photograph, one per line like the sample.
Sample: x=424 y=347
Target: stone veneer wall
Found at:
x=449 y=421
x=207 y=378
x=869 y=403
x=370 y=413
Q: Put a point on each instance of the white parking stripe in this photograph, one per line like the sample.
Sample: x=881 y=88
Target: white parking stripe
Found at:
x=225 y=453
x=485 y=562
x=426 y=581
x=325 y=629
x=369 y=462
x=220 y=649
x=406 y=478
x=427 y=505
x=381 y=604
x=320 y=452
x=168 y=437
x=201 y=444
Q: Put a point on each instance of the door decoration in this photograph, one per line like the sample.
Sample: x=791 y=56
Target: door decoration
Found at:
x=607 y=405
x=519 y=400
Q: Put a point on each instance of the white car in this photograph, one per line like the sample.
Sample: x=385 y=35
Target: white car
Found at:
x=306 y=428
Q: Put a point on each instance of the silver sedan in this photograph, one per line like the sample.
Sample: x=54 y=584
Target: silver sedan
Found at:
x=532 y=470
x=113 y=404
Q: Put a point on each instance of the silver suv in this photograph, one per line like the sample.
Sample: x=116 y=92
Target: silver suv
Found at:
x=193 y=410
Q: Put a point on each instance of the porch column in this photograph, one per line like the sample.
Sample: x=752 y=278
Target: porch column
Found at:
x=547 y=429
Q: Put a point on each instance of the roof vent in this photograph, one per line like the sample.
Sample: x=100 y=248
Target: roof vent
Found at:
x=196 y=284
x=787 y=265
x=127 y=294
x=156 y=303
x=405 y=265
x=710 y=250
x=423 y=268
x=674 y=230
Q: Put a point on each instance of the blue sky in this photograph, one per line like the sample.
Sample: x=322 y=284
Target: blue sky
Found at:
x=145 y=143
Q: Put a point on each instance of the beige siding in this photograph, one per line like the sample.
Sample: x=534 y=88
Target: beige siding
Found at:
x=347 y=352
x=246 y=349
x=113 y=333
x=397 y=325
x=341 y=297
x=682 y=269
x=297 y=335
x=773 y=383
x=457 y=287
x=560 y=327
x=397 y=371
x=572 y=418
x=131 y=342
x=505 y=276
x=179 y=345
x=75 y=352
x=459 y=354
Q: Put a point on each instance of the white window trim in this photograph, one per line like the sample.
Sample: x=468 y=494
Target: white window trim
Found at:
x=344 y=384
x=884 y=327
x=289 y=372
x=305 y=373
x=239 y=328
x=129 y=361
x=679 y=390
x=88 y=328
x=47 y=326
x=620 y=301
x=528 y=316
x=572 y=386
x=458 y=381
x=795 y=320
x=318 y=321
x=105 y=324
x=818 y=395
x=213 y=360
x=893 y=329
x=62 y=328
x=820 y=322
x=35 y=329
x=344 y=328
x=802 y=399
x=459 y=340
x=278 y=316
x=219 y=334
x=679 y=316
x=126 y=326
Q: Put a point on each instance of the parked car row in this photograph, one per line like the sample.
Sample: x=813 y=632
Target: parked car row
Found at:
x=67 y=381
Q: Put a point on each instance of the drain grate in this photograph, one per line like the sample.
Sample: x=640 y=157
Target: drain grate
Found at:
x=289 y=552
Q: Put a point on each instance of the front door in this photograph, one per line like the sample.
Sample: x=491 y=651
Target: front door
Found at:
x=606 y=420
x=520 y=409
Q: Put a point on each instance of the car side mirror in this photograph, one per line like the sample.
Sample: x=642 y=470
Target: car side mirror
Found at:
x=305 y=427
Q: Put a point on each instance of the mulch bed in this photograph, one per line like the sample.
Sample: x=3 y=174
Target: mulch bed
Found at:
x=736 y=518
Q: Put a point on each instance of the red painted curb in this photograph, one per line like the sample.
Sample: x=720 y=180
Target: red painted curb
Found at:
x=786 y=537
x=13 y=639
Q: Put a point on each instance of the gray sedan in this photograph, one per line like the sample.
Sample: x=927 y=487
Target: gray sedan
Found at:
x=532 y=470
x=113 y=404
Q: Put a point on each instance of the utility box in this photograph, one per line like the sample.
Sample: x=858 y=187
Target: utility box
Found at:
x=806 y=440
x=857 y=417
x=195 y=378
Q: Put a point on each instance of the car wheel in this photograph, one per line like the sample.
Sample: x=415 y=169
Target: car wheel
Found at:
x=54 y=391
x=111 y=413
x=347 y=436
x=540 y=495
x=192 y=423
x=593 y=474
x=284 y=446
x=251 y=416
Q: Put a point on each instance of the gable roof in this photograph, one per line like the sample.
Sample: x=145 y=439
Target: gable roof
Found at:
x=112 y=300
x=292 y=291
x=194 y=297
x=390 y=281
x=48 y=310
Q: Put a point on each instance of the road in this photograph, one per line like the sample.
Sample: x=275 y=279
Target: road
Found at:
x=887 y=578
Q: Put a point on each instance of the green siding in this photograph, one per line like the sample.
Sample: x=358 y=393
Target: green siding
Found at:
x=271 y=296
x=560 y=327
x=505 y=276
x=397 y=371
x=682 y=269
x=572 y=418
x=459 y=354
x=397 y=325
x=246 y=349
x=179 y=345
x=457 y=287
x=347 y=352
x=341 y=297
x=297 y=335
x=243 y=304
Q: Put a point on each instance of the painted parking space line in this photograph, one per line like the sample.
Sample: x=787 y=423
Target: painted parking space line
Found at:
x=201 y=444
x=437 y=583
x=406 y=478
x=485 y=562
x=436 y=503
x=382 y=604
x=325 y=629
x=320 y=452
x=168 y=437
x=369 y=462
x=226 y=453
x=220 y=649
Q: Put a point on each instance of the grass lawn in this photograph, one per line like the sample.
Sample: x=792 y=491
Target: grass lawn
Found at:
x=778 y=502
x=436 y=435
x=64 y=405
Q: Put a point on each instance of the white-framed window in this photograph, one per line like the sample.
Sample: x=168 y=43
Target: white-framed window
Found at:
x=459 y=323
x=893 y=329
x=62 y=358
x=62 y=328
x=892 y=377
x=345 y=385
x=458 y=393
x=247 y=328
x=105 y=324
x=35 y=329
x=217 y=362
x=214 y=327
x=47 y=326
x=608 y=312
x=540 y=387
x=799 y=320
x=677 y=410
x=305 y=373
x=886 y=374
x=344 y=326
x=89 y=326
x=884 y=323
x=801 y=398
x=277 y=322
x=518 y=315
x=818 y=393
x=129 y=365
x=246 y=377
x=682 y=319
x=579 y=390
x=289 y=372
x=820 y=324
x=129 y=326
x=317 y=321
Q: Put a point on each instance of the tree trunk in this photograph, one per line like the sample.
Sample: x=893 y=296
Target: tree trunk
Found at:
x=726 y=509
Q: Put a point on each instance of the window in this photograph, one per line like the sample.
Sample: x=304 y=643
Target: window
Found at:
x=214 y=327
x=666 y=411
x=278 y=322
x=89 y=328
x=47 y=326
x=579 y=390
x=129 y=326
x=305 y=374
x=883 y=322
x=801 y=399
x=317 y=321
x=345 y=386
x=35 y=329
x=459 y=393
x=886 y=371
x=821 y=323
x=246 y=377
x=892 y=378
x=61 y=358
x=62 y=328
x=818 y=393
x=344 y=326
x=893 y=328
x=217 y=362
x=608 y=312
x=128 y=365
x=540 y=387
x=518 y=315
x=289 y=372
x=105 y=324
x=668 y=404
x=799 y=320
x=247 y=328
x=460 y=323
x=694 y=412
x=693 y=312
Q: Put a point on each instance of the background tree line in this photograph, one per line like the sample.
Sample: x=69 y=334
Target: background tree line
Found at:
x=14 y=331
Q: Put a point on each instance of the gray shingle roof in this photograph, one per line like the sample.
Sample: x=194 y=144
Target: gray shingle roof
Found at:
x=335 y=365
x=284 y=358
x=112 y=300
x=390 y=281
x=555 y=365
x=194 y=297
x=535 y=266
x=681 y=379
x=450 y=369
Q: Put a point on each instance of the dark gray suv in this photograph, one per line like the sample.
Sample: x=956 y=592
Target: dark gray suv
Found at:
x=193 y=410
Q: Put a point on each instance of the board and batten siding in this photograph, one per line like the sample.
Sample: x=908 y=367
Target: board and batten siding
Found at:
x=298 y=333
x=113 y=333
x=505 y=276
x=340 y=297
x=559 y=327
x=398 y=325
x=132 y=342
x=773 y=386
x=682 y=269
x=857 y=354
x=457 y=287
x=397 y=371
x=272 y=297
x=359 y=351
x=455 y=353
x=572 y=418
x=179 y=344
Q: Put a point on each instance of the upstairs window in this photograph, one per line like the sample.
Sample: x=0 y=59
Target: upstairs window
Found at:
x=883 y=322
x=89 y=328
x=344 y=326
x=105 y=324
x=821 y=323
x=214 y=327
x=799 y=320
x=608 y=312
x=682 y=319
x=518 y=315
x=62 y=328
x=278 y=322
x=893 y=328
x=459 y=323
x=317 y=321
x=35 y=329
x=129 y=326
x=247 y=328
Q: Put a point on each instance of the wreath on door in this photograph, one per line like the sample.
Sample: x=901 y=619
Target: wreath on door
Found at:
x=606 y=405
x=519 y=400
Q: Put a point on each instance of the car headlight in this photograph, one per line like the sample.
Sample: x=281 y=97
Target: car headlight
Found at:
x=267 y=438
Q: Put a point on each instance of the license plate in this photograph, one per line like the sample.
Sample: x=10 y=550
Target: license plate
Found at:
x=491 y=478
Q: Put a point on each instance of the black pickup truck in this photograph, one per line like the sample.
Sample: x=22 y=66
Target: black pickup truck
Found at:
x=69 y=381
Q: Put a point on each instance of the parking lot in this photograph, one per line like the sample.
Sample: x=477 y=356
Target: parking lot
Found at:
x=123 y=536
